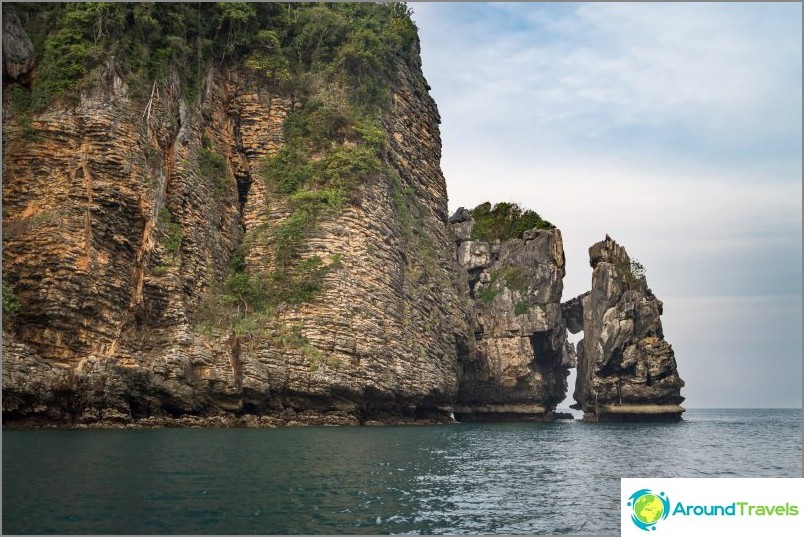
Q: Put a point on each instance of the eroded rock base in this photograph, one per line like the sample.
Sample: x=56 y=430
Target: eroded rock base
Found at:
x=636 y=413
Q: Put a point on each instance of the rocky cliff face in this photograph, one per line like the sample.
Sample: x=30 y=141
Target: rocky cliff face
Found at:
x=626 y=369
x=115 y=235
x=263 y=239
x=518 y=366
x=18 y=51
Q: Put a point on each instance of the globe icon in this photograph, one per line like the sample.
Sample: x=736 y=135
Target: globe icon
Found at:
x=648 y=509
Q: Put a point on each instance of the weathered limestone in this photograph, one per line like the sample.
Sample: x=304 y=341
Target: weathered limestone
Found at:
x=626 y=370
x=518 y=367
x=114 y=237
x=107 y=332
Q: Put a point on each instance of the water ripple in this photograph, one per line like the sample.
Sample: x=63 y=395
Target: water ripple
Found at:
x=461 y=479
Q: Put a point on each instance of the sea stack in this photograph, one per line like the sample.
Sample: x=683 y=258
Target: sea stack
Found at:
x=626 y=369
x=517 y=367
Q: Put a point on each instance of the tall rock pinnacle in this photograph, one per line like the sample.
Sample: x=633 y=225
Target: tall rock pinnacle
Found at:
x=626 y=369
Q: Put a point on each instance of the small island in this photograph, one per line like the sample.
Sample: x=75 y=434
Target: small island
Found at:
x=250 y=228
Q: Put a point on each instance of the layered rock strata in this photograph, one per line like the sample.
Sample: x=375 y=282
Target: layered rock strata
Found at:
x=124 y=215
x=518 y=365
x=95 y=192
x=626 y=369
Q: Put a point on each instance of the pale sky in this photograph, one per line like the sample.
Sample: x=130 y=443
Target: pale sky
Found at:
x=676 y=129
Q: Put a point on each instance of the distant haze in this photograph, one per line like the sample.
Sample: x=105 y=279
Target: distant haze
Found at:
x=676 y=129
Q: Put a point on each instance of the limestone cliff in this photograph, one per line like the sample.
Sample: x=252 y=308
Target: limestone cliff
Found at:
x=518 y=366
x=234 y=214
x=626 y=369
x=118 y=239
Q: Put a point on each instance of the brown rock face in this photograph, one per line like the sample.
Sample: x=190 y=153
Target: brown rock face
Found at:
x=127 y=218
x=518 y=366
x=113 y=234
x=626 y=370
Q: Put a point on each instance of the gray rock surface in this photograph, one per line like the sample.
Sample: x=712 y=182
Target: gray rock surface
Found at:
x=461 y=215
x=474 y=254
x=18 y=51
x=518 y=367
x=626 y=369
x=572 y=310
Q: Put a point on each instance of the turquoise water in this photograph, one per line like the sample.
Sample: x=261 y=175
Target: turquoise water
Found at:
x=465 y=478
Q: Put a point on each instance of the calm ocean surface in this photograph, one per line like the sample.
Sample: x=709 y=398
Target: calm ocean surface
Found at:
x=464 y=478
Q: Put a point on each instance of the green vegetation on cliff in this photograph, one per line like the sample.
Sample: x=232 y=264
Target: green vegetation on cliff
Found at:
x=11 y=304
x=171 y=233
x=337 y=62
x=343 y=65
x=631 y=271
x=213 y=166
x=504 y=221
x=288 y=44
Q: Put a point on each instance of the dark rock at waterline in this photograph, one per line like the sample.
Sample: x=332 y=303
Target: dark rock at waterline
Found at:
x=516 y=368
x=626 y=369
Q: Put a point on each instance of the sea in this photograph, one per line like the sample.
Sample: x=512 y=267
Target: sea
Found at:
x=465 y=478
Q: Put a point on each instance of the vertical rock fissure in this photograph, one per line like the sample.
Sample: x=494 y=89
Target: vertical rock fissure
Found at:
x=234 y=359
x=83 y=173
x=241 y=169
x=243 y=185
x=148 y=237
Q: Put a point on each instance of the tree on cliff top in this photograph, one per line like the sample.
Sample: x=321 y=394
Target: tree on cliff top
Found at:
x=356 y=43
x=504 y=221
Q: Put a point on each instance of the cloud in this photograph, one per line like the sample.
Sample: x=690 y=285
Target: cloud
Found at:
x=674 y=127
x=716 y=77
